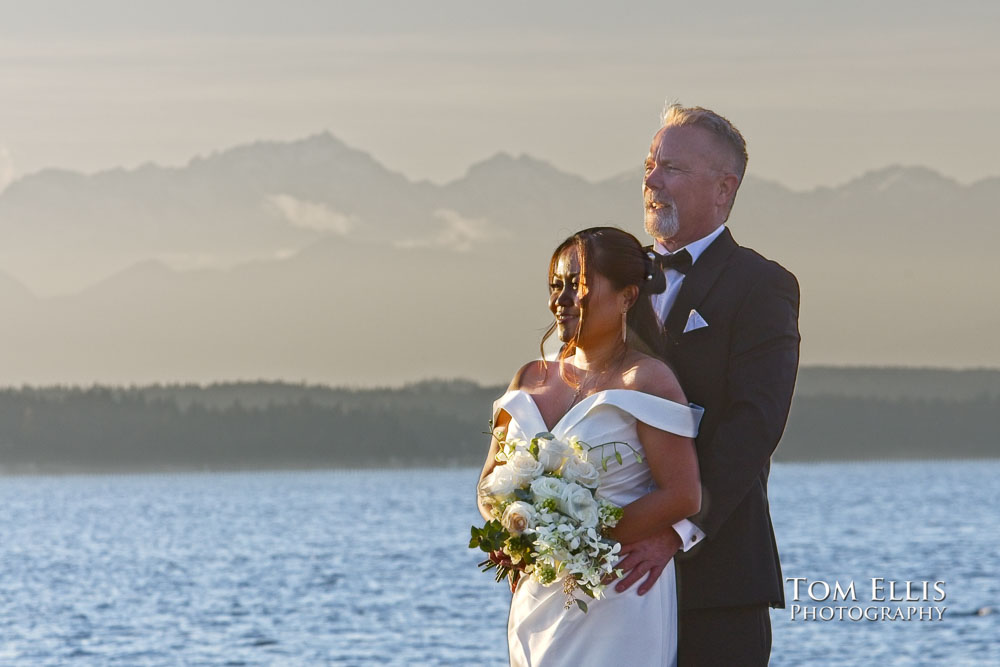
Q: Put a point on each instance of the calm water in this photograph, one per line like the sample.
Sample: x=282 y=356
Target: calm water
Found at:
x=372 y=567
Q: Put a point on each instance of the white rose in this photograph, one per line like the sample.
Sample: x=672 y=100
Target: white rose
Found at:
x=580 y=471
x=524 y=467
x=499 y=484
x=578 y=503
x=552 y=453
x=518 y=517
x=546 y=487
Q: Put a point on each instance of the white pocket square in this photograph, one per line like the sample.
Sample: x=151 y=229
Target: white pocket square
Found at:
x=695 y=321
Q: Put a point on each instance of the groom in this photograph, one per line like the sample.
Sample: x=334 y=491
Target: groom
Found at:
x=731 y=322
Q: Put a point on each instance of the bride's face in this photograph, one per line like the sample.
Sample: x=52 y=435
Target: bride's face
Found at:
x=597 y=303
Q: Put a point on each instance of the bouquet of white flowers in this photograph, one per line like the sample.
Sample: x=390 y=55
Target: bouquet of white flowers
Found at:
x=547 y=518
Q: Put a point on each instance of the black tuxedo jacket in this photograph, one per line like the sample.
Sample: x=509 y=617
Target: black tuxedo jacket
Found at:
x=741 y=368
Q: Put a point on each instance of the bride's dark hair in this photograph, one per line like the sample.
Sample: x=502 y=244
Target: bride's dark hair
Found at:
x=619 y=257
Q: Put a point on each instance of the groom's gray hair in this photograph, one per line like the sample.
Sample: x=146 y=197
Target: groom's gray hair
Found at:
x=720 y=127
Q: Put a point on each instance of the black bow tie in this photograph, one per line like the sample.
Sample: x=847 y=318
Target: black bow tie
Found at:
x=679 y=261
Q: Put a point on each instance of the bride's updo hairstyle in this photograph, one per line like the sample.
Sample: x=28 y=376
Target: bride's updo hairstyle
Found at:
x=619 y=257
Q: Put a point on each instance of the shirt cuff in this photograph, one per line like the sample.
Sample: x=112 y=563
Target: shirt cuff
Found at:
x=689 y=533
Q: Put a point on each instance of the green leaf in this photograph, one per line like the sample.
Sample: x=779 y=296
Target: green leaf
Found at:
x=545 y=435
x=604 y=463
x=618 y=457
x=582 y=605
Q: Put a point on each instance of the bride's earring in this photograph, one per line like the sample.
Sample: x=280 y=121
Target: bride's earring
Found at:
x=624 y=327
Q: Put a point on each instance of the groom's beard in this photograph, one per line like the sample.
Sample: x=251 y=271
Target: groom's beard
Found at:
x=662 y=223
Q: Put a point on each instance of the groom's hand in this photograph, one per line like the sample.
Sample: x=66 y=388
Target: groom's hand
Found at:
x=647 y=557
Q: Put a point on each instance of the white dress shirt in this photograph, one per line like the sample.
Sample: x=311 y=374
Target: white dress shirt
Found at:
x=689 y=533
x=662 y=303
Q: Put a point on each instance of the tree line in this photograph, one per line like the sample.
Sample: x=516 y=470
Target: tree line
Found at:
x=435 y=423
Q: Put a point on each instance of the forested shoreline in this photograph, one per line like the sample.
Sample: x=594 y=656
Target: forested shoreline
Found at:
x=838 y=414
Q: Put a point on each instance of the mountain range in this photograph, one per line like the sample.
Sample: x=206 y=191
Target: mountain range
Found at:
x=309 y=260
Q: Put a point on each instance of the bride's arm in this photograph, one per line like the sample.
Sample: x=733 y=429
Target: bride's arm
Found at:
x=526 y=373
x=674 y=465
x=502 y=420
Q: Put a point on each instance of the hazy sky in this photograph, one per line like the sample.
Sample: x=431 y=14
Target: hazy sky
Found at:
x=823 y=90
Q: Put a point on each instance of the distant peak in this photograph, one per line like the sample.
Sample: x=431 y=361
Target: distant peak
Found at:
x=322 y=142
x=503 y=158
x=324 y=138
x=147 y=267
x=503 y=164
x=988 y=182
x=899 y=176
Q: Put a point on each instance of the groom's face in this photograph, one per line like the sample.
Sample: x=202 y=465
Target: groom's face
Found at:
x=681 y=188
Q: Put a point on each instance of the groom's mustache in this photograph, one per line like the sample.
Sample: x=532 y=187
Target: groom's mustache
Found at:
x=655 y=203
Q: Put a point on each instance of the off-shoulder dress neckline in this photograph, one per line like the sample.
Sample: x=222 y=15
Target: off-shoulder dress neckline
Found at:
x=587 y=403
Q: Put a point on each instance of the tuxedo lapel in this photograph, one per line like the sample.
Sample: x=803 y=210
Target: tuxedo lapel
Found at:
x=697 y=282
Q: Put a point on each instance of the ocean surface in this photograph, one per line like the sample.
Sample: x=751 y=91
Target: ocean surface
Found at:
x=372 y=567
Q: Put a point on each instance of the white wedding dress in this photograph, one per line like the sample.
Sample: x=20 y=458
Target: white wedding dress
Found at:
x=621 y=628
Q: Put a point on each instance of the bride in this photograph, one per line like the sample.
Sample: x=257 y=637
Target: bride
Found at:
x=606 y=386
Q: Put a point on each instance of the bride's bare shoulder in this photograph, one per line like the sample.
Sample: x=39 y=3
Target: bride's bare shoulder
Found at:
x=529 y=376
x=653 y=376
